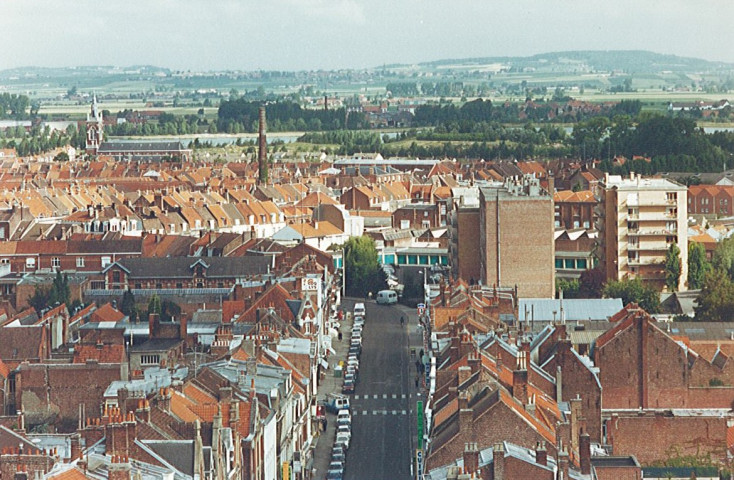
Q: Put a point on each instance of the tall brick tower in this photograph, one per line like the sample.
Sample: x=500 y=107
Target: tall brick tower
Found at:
x=262 y=152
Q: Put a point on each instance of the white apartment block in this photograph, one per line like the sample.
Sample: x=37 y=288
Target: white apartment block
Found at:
x=638 y=219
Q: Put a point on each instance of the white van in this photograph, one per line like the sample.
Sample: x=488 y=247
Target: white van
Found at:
x=387 y=297
x=359 y=310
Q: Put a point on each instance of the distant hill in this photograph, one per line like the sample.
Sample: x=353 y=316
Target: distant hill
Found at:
x=629 y=61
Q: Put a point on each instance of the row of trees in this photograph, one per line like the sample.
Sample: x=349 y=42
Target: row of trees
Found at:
x=242 y=114
x=13 y=105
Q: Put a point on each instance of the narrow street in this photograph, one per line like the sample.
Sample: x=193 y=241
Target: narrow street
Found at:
x=383 y=406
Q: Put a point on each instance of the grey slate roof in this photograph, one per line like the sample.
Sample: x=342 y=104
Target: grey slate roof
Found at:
x=181 y=267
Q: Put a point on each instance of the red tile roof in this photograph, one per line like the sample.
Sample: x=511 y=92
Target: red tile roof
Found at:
x=100 y=353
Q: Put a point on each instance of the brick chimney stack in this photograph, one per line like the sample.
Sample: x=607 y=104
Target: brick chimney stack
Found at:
x=474 y=361
x=498 y=462
x=541 y=454
x=520 y=378
x=76 y=447
x=119 y=468
x=471 y=458
x=585 y=453
x=466 y=416
x=562 y=465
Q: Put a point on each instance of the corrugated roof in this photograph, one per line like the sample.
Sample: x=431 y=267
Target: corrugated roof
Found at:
x=542 y=309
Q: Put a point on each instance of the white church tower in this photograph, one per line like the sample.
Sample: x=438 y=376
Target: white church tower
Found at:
x=95 y=128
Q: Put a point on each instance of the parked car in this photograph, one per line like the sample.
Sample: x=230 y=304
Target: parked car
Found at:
x=343 y=440
x=336 y=465
x=344 y=428
x=358 y=322
x=355 y=350
x=348 y=386
x=335 y=475
x=338 y=450
x=352 y=362
x=338 y=457
x=343 y=417
x=359 y=310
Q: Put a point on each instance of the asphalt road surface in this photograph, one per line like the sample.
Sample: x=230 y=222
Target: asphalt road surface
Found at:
x=383 y=400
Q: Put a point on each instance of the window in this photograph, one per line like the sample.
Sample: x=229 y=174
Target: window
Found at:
x=4 y=261
x=30 y=262
x=106 y=261
x=56 y=262
x=412 y=259
x=138 y=286
x=425 y=214
x=179 y=285
x=581 y=264
x=116 y=276
x=150 y=359
x=158 y=286
x=559 y=263
x=569 y=263
x=220 y=284
x=79 y=262
x=402 y=260
x=423 y=259
x=404 y=224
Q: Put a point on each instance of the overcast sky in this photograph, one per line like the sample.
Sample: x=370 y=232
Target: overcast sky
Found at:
x=332 y=34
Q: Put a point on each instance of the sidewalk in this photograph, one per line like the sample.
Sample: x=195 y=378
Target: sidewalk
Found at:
x=415 y=341
x=331 y=384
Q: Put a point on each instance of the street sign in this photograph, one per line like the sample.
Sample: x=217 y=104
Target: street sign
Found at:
x=421 y=308
x=418 y=464
x=309 y=284
x=419 y=409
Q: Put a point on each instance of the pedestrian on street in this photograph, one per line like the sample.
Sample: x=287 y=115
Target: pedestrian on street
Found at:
x=340 y=336
x=416 y=381
x=417 y=366
x=402 y=320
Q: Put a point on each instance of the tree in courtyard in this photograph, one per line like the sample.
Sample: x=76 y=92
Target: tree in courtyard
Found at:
x=58 y=293
x=154 y=305
x=715 y=303
x=724 y=256
x=128 y=307
x=591 y=283
x=672 y=267
x=698 y=265
x=362 y=267
x=634 y=291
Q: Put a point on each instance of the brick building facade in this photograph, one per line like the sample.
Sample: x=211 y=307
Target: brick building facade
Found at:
x=516 y=237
